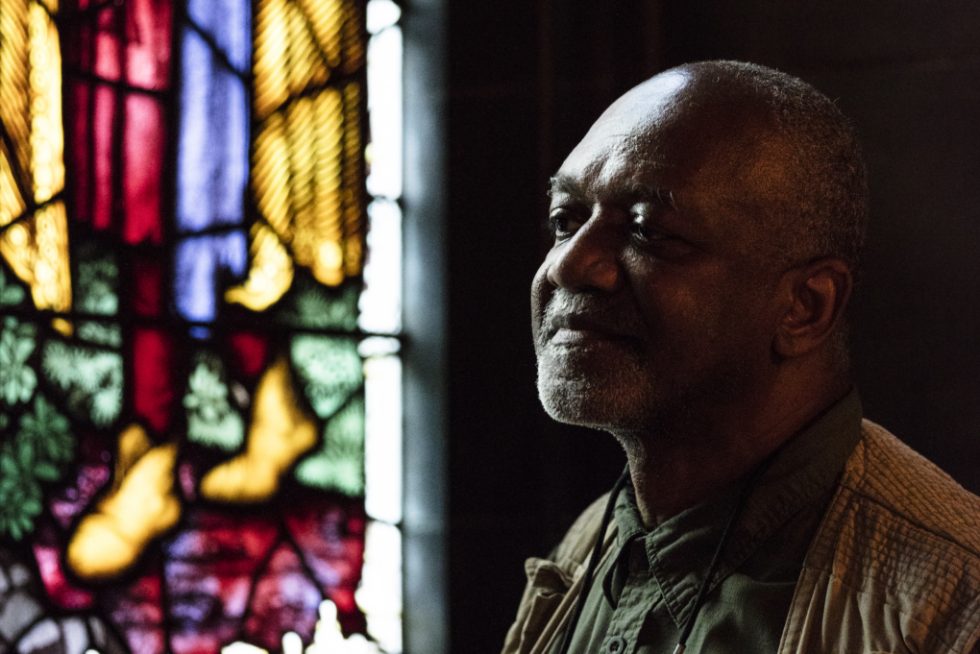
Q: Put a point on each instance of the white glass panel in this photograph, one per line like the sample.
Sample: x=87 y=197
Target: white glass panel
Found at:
x=377 y=346
x=384 y=78
x=381 y=301
x=381 y=585
x=383 y=438
x=382 y=14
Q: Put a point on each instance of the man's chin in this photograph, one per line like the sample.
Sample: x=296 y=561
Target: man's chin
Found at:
x=587 y=404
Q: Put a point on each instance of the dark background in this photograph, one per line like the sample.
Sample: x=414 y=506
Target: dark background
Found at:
x=524 y=80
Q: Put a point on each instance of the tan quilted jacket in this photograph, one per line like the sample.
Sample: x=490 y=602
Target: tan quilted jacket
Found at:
x=894 y=567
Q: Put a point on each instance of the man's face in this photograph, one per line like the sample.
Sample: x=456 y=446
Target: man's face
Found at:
x=653 y=302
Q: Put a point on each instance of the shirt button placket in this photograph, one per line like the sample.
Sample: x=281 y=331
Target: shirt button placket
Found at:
x=627 y=619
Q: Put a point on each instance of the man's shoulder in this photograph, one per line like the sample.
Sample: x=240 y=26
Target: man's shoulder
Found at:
x=902 y=539
x=908 y=488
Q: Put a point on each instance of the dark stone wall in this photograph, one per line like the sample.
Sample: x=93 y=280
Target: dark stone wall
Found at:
x=526 y=79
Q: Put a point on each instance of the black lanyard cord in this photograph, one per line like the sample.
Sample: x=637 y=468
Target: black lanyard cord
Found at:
x=716 y=557
x=594 y=559
x=705 y=583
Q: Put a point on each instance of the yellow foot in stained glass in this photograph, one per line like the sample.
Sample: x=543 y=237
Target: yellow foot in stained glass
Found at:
x=280 y=433
x=140 y=506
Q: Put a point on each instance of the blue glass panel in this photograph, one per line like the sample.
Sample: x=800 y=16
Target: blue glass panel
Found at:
x=200 y=262
x=212 y=159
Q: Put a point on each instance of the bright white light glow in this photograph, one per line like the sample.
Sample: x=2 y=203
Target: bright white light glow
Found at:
x=384 y=82
x=382 y=14
x=242 y=648
x=380 y=592
x=381 y=302
x=327 y=639
x=292 y=643
x=378 y=346
x=379 y=595
x=383 y=438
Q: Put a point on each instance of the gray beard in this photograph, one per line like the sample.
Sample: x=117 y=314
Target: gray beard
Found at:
x=611 y=398
x=575 y=387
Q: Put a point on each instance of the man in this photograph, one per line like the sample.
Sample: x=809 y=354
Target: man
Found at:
x=707 y=232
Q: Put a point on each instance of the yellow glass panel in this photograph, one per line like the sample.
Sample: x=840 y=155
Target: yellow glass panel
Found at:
x=37 y=251
x=47 y=135
x=307 y=161
x=271 y=43
x=280 y=432
x=270 y=273
x=354 y=208
x=14 y=106
x=306 y=66
x=140 y=506
x=326 y=21
x=353 y=42
x=270 y=175
x=14 y=88
x=30 y=106
x=11 y=202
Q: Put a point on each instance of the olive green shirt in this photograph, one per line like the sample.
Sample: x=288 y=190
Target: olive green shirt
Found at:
x=643 y=593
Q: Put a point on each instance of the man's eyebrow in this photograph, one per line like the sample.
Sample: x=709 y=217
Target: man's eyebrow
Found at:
x=564 y=185
x=625 y=192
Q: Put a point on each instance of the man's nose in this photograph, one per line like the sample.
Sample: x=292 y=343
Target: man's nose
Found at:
x=589 y=260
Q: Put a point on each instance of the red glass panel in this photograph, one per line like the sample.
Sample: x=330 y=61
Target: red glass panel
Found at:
x=118 y=144
x=331 y=539
x=136 y=610
x=285 y=600
x=147 y=287
x=210 y=571
x=64 y=594
x=251 y=353
x=143 y=153
x=153 y=384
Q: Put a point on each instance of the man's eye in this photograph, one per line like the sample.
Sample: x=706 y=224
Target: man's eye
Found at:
x=563 y=223
x=643 y=232
x=659 y=243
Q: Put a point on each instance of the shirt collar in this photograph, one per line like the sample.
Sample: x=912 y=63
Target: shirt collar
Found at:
x=678 y=551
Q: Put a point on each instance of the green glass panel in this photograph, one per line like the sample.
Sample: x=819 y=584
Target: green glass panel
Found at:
x=91 y=380
x=47 y=434
x=339 y=463
x=39 y=451
x=211 y=418
x=12 y=293
x=97 y=281
x=99 y=333
x=17 y=377
x=310 y=305
x=20 y=492
x=329 y=369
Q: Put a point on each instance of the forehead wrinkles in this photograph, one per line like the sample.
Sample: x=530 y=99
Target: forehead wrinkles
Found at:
x=615 y=165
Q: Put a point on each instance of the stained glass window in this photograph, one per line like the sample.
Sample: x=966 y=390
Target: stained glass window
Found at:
x=199 y=326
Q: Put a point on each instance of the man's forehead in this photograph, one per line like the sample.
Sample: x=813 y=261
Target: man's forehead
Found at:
x=617 y=188
x=671 y=131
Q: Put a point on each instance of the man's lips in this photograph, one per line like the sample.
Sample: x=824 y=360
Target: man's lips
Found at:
x=577 y=330
x=566 y=336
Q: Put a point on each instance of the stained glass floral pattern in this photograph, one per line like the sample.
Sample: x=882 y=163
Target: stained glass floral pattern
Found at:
x=211 y=418
x=17 y=377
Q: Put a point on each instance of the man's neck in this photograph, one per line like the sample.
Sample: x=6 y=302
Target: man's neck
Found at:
x=680 y=465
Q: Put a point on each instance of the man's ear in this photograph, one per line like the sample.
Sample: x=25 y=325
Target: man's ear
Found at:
x=817 y=294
